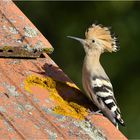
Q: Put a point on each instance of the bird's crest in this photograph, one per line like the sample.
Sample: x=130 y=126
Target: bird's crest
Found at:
x=102 y=34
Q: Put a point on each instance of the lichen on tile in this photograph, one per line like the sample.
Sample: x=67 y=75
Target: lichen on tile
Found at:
x=13 y=30
x=89 y=129
x=62 y=107
x=11 y=90
x=2 y=109
x=30 y=32
x=52 y=135
x=9 y=127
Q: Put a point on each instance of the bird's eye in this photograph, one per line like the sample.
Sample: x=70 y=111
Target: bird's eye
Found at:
x=93 y=41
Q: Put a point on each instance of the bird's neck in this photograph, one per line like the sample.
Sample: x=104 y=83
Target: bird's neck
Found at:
x=92 y=64
x=93 y=58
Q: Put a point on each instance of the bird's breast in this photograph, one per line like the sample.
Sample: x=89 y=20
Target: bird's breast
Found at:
x=86 y=80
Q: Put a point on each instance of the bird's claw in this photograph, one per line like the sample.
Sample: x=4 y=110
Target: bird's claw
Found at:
x=98 y=112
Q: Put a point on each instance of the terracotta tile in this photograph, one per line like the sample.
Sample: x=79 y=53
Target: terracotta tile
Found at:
x=19 y=37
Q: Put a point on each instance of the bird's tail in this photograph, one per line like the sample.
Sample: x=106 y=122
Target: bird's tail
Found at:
x=119 y=118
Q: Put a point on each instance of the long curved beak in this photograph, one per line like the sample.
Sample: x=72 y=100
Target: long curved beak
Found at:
x=82 y=41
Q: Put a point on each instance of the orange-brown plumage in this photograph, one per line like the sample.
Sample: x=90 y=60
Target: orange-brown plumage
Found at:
x=103 y=35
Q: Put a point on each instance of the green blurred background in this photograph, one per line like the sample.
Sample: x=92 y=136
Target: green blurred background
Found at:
x=56 y=20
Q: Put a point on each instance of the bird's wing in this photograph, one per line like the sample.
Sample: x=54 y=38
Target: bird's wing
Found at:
x=103 y=89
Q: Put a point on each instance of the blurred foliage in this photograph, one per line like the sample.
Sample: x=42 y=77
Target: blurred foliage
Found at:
x=56 y=20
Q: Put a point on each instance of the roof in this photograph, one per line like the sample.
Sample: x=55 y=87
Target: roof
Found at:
x=19 y=37
x=37 y=100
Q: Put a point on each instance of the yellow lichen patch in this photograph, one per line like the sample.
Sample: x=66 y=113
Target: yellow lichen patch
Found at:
x=63 y=107
x=48 y=82
x=72 y=85
x=6 y=48
x=71 y=109
x=79 y=109
x=48 y=50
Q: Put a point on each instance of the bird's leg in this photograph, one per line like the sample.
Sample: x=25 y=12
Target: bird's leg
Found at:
x=98 y=112
x=117 y=126
x=91 y=113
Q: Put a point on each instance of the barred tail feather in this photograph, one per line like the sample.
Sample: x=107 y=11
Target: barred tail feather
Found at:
x=119 y=118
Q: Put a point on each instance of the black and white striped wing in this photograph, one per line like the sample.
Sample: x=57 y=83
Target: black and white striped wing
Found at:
x=104 y=92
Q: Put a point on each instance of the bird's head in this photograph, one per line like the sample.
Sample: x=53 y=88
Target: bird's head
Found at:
x=98 y=38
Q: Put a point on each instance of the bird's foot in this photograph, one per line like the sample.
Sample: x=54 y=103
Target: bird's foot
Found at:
x=90 y=115
x=98 y=112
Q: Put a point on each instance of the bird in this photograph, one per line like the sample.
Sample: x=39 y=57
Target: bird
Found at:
x=96 y=83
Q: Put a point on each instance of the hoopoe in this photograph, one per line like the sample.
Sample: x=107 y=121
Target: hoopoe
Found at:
x=95 y=81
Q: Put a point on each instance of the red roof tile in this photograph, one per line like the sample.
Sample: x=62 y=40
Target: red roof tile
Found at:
x=38 y=101
x=19 y=37
x=30 y=99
